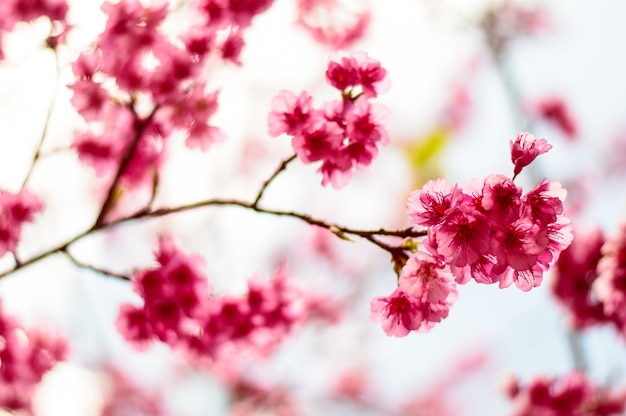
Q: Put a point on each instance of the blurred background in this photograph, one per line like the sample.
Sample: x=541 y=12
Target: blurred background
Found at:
x=465 y=78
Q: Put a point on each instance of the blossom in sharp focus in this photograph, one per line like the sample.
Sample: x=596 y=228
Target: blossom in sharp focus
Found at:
x=487 y=230
x=430 y=281
x=290 y=113
x=525 y=148
x=399 y=313
x=344 y=134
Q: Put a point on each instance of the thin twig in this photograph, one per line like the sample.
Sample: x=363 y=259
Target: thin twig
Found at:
x=93 y=268
x=576 y=348
x=369 y=235
x=37 y=155
x=282 y=167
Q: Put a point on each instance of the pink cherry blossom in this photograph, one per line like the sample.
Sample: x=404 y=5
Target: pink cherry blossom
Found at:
x=525 y=148
x=16 y=209
x=427 y=206
x=611 y=282
x=26 y=356
x=464 y=236
x=290 y=113
x=556 y=110
x=399 y=313
x=572 y=394
x=574 y=276
x=429 y=281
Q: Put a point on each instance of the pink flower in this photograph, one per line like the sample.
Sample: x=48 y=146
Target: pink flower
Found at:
x=290 y=113
x=574 y=276
x=399 y=313
x=365 y=122
x=174 y=297
x=501 y=198
x=429 y=281
x=525 y=149
x=15 y=211
x=544 y=203
x=610 y=286
x=428 y=206
x=464 y=236
x=556 y=110
x=321 y=140
x=345 y=72
x=26 y=356
x=572 y=394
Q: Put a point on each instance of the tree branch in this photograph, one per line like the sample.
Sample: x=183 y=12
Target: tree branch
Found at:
x=282 y=167
x=369 y=235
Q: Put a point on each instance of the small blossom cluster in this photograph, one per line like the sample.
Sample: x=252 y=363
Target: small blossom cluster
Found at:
x=485 y=230
x=25 y=357
x=257 y=321
x=178 y=309
x=15 y=211
x=590 y=280
x=174 y=297
x=343 y=134
x=426 y=291
x=574 y=275
x=15 y=11
x=135 y=66
x=571 y=395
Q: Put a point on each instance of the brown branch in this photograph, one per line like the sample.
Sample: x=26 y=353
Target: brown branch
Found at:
x=369 y=235
x=282 y=167
x=93 y=268
x=37 y=155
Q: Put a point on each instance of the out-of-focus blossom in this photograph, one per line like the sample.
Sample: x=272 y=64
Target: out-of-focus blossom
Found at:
x=570 y=395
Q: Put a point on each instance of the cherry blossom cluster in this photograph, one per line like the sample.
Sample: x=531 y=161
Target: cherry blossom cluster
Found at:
x=15 y=11
x=574 y=275
x=25 y=357
x=571 y=395
x=343 y=134
x=178 y=309
x=16 y=209
x=590 y=280
x=139 y=85
x=485 y=230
